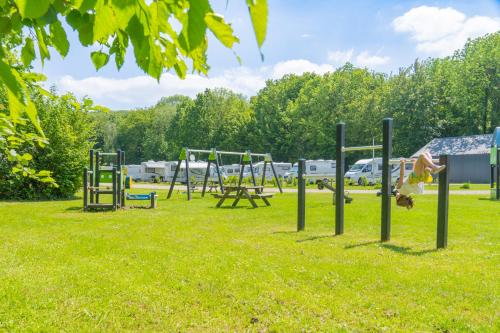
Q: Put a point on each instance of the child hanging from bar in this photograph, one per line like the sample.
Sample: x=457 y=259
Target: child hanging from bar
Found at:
x=423 y=169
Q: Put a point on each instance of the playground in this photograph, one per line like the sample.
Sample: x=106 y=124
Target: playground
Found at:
x=245 y=269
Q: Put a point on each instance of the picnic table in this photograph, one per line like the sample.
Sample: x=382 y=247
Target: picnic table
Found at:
x=242 y=192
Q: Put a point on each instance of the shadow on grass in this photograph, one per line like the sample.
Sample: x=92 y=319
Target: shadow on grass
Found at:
x=488 y=199
x=352 y=246
x=406 y=250
x=74 y=208
x=312 y=238
x=285 y=232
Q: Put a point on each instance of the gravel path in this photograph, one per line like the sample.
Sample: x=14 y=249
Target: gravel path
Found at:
x=314 y=190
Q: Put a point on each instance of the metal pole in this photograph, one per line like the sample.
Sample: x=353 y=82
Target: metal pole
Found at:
x=358 y=148
x=85 y=189
x=301 y=212
x=340 y=170
x=385 y=229
x=443 y=198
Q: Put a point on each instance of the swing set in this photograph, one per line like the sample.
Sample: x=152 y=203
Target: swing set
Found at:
x=215 y=159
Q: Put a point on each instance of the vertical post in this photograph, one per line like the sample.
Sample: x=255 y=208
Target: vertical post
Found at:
x=85 y=190
x=263 y=182
x=301 y=212
x=97 y=177
x=276 y=176
x=92 y=175
x=205 y=181
x=217 y=168
x=182 y=156
x=114 y=188
x=339 y=180
x=251 y=169
x=188 y=181
x=385 y=229
x=498 y=174
x=443 y=198
x=119 y=177
x=122 y=194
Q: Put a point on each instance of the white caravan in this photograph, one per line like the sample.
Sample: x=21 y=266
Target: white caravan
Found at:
x=315 y=170
x=232 y=169
x=152 y=170
x=371 y=169
x=281 y=169
x=197 y=172
x=134 y=171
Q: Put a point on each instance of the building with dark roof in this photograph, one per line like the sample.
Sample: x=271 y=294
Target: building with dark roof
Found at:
x=469 y=156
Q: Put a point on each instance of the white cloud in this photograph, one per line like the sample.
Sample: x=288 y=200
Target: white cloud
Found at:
x=298 y=67
x=143 y=90
x=441 y=31
x=340 y=57
x=305 y=36
x=364 y=59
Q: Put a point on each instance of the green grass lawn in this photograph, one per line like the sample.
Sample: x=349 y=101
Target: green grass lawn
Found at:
x=188 y=266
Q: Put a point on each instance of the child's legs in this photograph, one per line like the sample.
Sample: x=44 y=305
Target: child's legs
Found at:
x=424 y=161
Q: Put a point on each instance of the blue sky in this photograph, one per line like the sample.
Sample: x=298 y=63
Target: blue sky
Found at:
x=302 y=36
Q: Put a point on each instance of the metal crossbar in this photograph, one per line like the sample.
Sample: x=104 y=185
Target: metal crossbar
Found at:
x=409 y=160
x=199 y=151
x=344 y=149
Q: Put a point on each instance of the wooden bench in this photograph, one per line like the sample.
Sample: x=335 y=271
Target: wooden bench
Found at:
x=242 y=193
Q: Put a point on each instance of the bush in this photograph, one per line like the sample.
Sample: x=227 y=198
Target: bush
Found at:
x=69 y=129
x=363 y=181
x=465 y=186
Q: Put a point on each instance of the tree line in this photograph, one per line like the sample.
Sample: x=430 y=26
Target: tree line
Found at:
x=291 y=117
x=295 y=116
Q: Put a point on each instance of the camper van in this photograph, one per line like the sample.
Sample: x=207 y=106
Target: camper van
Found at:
x=197 y=171
x=281 y=169
x=315 y=170
x=371 y=169
x=152 y=171
x=134 y=171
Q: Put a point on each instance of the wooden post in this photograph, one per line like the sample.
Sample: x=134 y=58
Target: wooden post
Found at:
x=85 y=189
x=264 y=174
x=340 y=171
x=301 y=211
x=205 y=181
x=254 y=182
x=276 y=177
x=182 y=156
x=119 y=178
x=97 y=177
x=385 y=231
x=443 y=198
x=217 y=168
x=188 y=181
x=114 y=188
x=92 y=175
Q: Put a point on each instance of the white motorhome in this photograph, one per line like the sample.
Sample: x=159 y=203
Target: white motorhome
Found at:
x=232 y=169
x=197 y=172
x=134 y=171
x=371 y=169
x=281 y=169
x=315 y=170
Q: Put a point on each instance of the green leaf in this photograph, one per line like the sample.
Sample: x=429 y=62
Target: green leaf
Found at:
x=41 y=36
x=12 y=81
x=105 y=21
x=59 y=38
x=258 y=13
x=5 y=25
x=221 y=29
x=32 y=8
x=99 y=59
x=86 y=30
x=33 y=116
x=74 y=19
x=28 y=52
x=196 y=26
